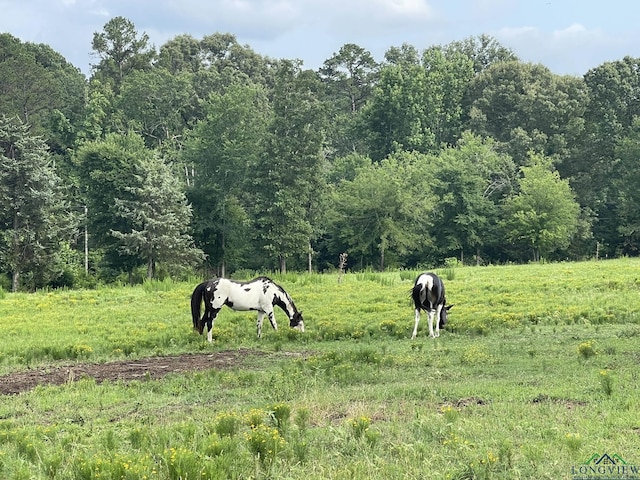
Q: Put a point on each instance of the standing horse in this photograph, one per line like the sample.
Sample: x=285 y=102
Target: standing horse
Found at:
x=428 y=295
x=259 y=294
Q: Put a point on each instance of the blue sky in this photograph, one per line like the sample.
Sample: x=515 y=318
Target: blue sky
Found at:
x=568 y=36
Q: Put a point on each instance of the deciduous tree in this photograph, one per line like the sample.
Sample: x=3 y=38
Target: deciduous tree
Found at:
x=543 y=215
x=288 y=180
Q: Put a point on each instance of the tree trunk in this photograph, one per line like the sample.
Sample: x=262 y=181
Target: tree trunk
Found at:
x=15 y=277
x=309 y=259
x=283 y=264
x=223 y=266
x=15 y=281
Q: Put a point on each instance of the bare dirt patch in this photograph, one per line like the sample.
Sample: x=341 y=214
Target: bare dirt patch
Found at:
x=126 y=370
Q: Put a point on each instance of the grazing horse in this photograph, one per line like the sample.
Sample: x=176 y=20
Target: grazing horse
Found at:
x=259 y=294
x=428 y=295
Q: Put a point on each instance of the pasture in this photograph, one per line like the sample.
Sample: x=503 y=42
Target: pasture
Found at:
x=536 y=372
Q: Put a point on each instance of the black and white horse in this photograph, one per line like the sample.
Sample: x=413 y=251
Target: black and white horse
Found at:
x=259 y=294
x=428 y=295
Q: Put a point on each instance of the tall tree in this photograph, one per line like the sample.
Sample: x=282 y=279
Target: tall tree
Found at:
x=448 y=74
x=526 y=107
x=121 y=51
x=158 y=105
x=385 y=211
x=180 y=54
x=288 y=180
x=34 y=217
x=159 y=216
x=469 y=180
x=612 y=108
x=100 y=113
x=350 y=75
x=624 y=182
x=108 y=171
x=405 y=55
x=223 y=149
x=417 y=106
x=543 y=215
x=39 y=86
x=483 y=50
x=397 y=118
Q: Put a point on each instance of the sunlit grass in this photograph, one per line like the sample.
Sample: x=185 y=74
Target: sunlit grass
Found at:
x=538 y=369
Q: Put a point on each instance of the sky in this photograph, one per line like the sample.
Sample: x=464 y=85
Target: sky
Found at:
x=568 y=36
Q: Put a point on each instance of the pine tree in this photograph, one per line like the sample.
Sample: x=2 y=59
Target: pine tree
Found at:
x=34 y=216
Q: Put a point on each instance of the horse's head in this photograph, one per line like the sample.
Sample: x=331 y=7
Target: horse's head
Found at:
x=444 y=315
x=297 y=322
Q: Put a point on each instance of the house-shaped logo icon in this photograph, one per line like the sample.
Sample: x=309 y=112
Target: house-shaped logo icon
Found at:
x=606 y=459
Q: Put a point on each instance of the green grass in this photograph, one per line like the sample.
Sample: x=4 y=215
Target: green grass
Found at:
x=537 y=372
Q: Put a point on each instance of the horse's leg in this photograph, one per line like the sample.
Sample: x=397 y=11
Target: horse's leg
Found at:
x=431 y=315
x=272 y=318
x=259 y=324
x=415 y=327
x=210 y=322
x=437 y=319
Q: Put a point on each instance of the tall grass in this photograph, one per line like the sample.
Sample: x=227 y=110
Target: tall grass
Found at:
x=154 y=318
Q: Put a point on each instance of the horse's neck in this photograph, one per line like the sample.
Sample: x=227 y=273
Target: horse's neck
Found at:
x=284 y=302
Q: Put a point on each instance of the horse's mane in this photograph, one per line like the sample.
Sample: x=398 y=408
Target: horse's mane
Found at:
x=282 y=292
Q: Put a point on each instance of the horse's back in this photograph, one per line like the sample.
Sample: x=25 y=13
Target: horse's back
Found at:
x=243 y=296
x=428 y=287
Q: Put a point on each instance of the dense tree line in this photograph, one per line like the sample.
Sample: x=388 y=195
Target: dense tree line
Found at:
x=205 y=154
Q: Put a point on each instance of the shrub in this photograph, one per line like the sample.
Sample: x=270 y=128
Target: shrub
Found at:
x=587 y=349
x=227 y=424
x=281 y=413
x=265 y=443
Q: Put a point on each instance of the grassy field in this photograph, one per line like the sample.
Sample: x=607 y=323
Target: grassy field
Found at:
x=536 y=373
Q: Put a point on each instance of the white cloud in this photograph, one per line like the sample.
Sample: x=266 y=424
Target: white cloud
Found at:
x=570 y=50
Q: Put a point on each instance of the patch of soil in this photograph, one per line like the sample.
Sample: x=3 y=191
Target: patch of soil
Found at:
x=543 y=398
x=126 y=370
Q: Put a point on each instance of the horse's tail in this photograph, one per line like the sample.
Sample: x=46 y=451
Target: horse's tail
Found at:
x=415 y=295
x=196 y=300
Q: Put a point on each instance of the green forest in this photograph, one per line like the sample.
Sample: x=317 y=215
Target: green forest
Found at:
x=203 y=156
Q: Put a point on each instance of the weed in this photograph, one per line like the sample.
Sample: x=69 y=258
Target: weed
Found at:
x=359 y=426
x=300 y=448
x=573 y=441
x=450 y=413
x=476 y=355
x=182 y=463
x=587 y=349
x=227 y=424
x=302 y=419
x=255 y=418
x=265 y=442
x=281 y=413
x=606 y=382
